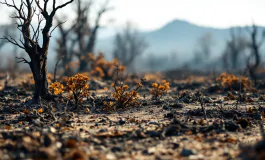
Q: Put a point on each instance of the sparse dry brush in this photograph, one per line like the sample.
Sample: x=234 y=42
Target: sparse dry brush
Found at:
x=158 y=76
x=77 y=86
x=158 y=90
x=232 y=82
x=124 y=98
x=56 y=88
x=102 y=68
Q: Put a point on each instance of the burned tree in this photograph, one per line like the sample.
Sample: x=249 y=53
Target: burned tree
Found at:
x=128 y=45
x=254 y=46
x=83 y=33
x=65 y=49
x=6 y=33
x=6 y=30
x=84 y=29
x=25 y=10
x=205 y=44
x=235 y=46
x=203 y=49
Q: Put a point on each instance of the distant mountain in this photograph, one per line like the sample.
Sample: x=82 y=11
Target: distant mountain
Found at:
x=174 y=43
x=180 y=38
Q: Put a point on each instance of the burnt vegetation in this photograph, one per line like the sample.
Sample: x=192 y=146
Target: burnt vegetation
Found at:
x=93 y=107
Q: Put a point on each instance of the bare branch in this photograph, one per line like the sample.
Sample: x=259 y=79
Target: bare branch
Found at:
x=262 y=39
x=55 y=69
x=54 y=4
x=63 y=5
x=56 y=27
x=21 y=59
x=13 y=41
x=45 y=5
x=38 y=4
x=37 y=31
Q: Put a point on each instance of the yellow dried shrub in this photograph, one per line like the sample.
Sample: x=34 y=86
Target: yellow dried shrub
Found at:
x=158 y=90
x=56 y=88
x=102 y=68
x=122 y=95
x=77 y=86
x=232 y=82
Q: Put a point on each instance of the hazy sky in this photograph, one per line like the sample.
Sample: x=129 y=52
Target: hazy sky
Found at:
x=152 y=14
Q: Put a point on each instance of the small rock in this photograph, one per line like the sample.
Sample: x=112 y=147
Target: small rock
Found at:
x=169 y=115
x=153 y=133
x=144 y=103
x=231 y=126
x=103 y=130
x=184 y=139
x=172 y=130
x=243 y=122
x=122 y=122
x=154 y=123
x=110 y=156
x=115 y=149
x=257 y=117
x=2 y=117
x=175 y=145
x=52 y=130
x=207 y=99
x=165 y=107
x=187 y=152
x=176 y=105
x=235 y=117
x=48 y=140
x=59 y=144
x=7 y=110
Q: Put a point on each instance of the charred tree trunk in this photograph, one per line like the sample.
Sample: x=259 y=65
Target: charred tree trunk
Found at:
x=39 y=70
x=252 y=69
x=255 y=47
x=84 y=31
x=30 y=41
x=83 y=65
x=64 y=51
x=236 y=45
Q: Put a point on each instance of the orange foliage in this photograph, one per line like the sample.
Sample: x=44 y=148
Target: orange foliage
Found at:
x=158 y=90
x=123 y=97
x=56 y=88
x=102 y=68
x=77 y=87
x=154 y=76
x=233 y=82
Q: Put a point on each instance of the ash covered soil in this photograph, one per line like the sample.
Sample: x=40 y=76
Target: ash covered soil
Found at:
x=194 y=120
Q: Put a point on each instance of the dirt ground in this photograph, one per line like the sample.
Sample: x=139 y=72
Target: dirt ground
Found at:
x=194 y=120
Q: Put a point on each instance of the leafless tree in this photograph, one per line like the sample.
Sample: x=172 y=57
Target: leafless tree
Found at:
x=83 y=33
x=254 y=46
x=235 y=46
x=225 y=58
x=204 y=45
x=25 y=10
x=65 y=47
x=128 y=45
x=6 y=33
x=7 y=30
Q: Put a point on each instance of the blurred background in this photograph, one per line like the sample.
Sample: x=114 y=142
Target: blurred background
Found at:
x=151 y=36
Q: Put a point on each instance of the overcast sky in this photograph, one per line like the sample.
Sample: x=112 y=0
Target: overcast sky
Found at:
x=152 y=14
